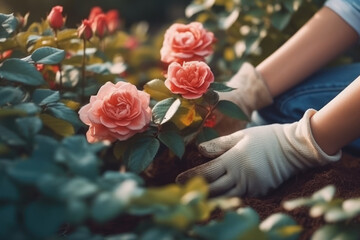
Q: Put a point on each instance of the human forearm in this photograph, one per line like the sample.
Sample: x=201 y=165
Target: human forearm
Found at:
x=338 y=123
x=320 y=40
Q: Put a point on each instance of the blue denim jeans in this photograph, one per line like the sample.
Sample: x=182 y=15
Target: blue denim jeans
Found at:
x=315 y=92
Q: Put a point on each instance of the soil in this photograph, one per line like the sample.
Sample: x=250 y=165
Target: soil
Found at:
x=344 y=175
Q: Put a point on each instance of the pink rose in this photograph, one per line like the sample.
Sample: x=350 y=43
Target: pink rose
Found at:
x=55 y=17
x=118 y=111
x=186 y=43
x=191 y=80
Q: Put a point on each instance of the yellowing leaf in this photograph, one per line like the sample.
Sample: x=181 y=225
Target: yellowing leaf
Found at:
x=157 y=90
x=229 y=54
x=167 y=195
x=197 y=184
x=71 y=104
x=186 y=115
x=59 y=126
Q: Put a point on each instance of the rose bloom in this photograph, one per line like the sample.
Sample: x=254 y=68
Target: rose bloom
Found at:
x=55 y=18
x=191 y=79
x=186 y=43
x=117 y=112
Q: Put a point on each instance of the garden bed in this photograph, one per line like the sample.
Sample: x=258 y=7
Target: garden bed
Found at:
x=344 y=175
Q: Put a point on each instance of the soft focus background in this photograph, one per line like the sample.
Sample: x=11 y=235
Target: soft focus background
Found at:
x=155 y=12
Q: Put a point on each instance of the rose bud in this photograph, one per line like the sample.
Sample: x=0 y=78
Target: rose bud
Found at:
x=99 y=25
x=85 y=31
x=112 y=19
x=94 y=12
x=55 y=18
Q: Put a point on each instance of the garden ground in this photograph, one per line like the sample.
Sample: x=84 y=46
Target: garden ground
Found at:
x=344 y=175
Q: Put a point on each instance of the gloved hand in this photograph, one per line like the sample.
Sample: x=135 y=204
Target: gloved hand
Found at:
x=255 y=160
x=251 y=93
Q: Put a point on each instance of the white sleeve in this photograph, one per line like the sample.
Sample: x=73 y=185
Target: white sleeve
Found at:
x=349 y=10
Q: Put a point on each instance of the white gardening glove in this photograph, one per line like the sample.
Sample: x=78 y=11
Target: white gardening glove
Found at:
x=251 y=93
x=255 y=160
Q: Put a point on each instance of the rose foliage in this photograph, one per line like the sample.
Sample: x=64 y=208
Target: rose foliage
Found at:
x=89 y=116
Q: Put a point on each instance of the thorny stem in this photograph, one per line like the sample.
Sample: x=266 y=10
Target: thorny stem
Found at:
x=197 y=132
x=83 y=78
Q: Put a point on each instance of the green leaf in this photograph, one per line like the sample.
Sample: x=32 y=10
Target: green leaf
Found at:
x=76 y=211
x=326 y=194
x=220 y=87
x=11 y=138
x=139 y=156
x=79 y=156
x=8 y=25
x=60 y=110
x=45 y=96
x=48 y=55
x=10 y=95
x=43 y=219
x=226 y=22
x=157 y=90
x=78 y=187
x=44 y=148
x=173 y=141
x=105 y=207
x=28 y=108
x=280 y=226
x=67 y=34
x=234 y=225
x=164 y=110
x=337 y=231
x=7 y=112
x=49 y=186
x=8 y=190
x=281 y=19
x=207 y=134
x=195 y=8
x=231 y=109
x=112 y=179
x=28 y=126
x=59 y=126
x=292 y=5
x=8 y=220
x=20 y=71
x=30 y=171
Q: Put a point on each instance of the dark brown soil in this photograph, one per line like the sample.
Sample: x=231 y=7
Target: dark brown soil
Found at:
x=345 y=175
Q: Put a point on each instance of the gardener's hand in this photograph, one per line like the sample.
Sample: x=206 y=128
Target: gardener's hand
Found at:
x=251 y=93
x=258 y=159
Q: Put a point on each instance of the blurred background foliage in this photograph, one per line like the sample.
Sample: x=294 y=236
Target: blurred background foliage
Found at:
x=156 y=12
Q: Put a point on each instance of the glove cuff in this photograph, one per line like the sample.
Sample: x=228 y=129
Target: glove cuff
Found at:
x=251 y=92
x=304 y=128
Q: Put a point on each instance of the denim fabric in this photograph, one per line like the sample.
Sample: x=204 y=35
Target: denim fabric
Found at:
x=349 y=10
x=314 y=92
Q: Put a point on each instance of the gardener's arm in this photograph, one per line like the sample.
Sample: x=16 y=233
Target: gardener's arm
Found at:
x=338 y=123
x=320 y=40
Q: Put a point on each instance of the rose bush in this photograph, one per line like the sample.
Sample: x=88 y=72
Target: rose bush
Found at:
x=53 y=182
x=186 y=42
x=117 y=112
